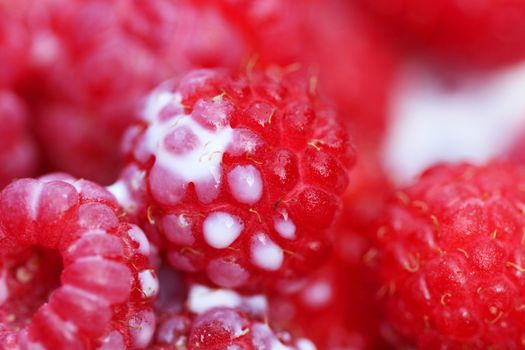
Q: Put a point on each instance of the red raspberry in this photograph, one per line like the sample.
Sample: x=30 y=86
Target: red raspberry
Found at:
x=334 y=307
x=17 y=149
x=451 y=258
x=216 y=319
x=106 y=285
x=350 y=61
x=242 y=172
x=368 y=190
x=483 y=33
x=85 y=86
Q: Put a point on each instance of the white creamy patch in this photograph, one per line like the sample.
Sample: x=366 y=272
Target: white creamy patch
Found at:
x=432 y=122
x=305 y=344
x=284 y=226
x=265 y=253
x=257 y=304
x=202 y=299
x=121 y=192
x=149 y=284
x=200 y=164
x=318 y=294
x=221 y=229
x=139 y=237
x=159 y=99
x=245 y=184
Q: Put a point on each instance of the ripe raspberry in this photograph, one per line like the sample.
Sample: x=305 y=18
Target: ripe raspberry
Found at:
x=334 y=307
x=106 y=285
x=351 y=62
x=17 y=149
x=218 y=319
x=86 y=88
x=242 y=173
x=482 y=33
x=451 y=258
x=368 y=190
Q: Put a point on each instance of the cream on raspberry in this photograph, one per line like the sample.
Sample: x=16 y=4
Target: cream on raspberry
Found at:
x=224 y=319
x=240 y=173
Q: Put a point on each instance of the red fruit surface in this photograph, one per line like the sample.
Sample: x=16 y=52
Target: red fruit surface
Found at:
x=480 y=33
x=93 y=62
x=242 y=173
x=336 y=306
x=14 y=45
x=72 y=275
x=368 y=190
x=450 y=254
x=341 y=293
x=17 y=149
x=349 y=58
x=215 y=319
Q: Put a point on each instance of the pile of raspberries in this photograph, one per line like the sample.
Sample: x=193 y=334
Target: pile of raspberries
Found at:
x=208 y=174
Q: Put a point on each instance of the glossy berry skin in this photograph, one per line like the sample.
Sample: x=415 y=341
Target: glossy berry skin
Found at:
x=482 y=33
x=85 y=89
x=451 y=255
x=335 y=307
x=216 y=319
x=242 y=173
x=72 y=275
x=17 y=147
x=349 y=58
x=341 y=293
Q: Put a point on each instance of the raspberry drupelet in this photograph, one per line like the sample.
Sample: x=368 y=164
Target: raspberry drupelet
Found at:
x=240 y=172
x=216 y=319
x=451 y=255
x=72 y=274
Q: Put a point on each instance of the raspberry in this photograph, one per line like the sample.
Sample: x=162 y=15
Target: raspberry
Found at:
x=86 y=88
x=335 y=306
x=217 y=319
x=483 y=34
x=350 y=60
x=366 y=195
x=58 y=226
x=242 y=173
x=17 y=149
x=450 y=255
